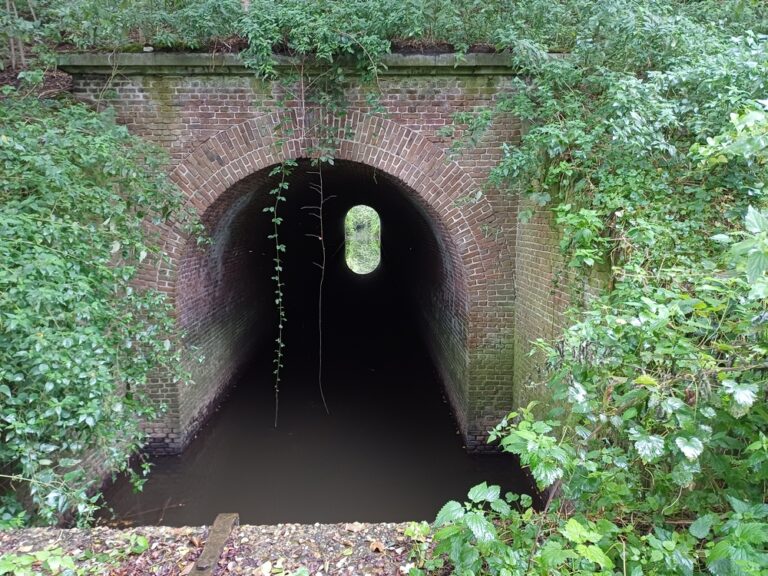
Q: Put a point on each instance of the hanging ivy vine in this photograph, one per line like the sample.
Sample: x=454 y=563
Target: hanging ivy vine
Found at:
x=316 y=85
x=284 y=170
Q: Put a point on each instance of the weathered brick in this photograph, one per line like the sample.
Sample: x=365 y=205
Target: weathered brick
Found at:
x=221 y=131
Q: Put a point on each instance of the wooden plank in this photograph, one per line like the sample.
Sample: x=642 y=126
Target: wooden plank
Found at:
x=214 y=546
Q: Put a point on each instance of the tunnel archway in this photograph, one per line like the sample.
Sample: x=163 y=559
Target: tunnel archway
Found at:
x=388 y=449
x=225 y=291
x=221 y=179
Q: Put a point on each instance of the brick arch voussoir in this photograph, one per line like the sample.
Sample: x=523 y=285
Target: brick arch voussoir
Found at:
x=247 y=147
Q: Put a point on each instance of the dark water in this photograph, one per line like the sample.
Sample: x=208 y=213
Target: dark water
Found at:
x=389 y=450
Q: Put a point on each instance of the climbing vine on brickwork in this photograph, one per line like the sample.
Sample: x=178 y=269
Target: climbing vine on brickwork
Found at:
x=319 y=100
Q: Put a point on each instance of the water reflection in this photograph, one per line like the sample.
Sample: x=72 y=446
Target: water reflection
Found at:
x=389 y=451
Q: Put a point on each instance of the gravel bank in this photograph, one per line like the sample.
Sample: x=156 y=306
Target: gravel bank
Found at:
x=323 y=549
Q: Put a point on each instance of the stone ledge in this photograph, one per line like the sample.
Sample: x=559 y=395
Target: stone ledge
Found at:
x=190 y=64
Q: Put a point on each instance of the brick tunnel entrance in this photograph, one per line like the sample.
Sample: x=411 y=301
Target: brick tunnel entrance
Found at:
x=460 y=273
x=223 y=130
x=225 y=293
x=390 y=449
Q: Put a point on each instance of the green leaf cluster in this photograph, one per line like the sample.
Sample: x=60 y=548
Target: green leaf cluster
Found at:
x=81 y=202
x=361 y=31
x=56 y=562
x=646 y=143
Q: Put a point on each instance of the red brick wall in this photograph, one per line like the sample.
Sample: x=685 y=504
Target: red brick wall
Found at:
x=215 y=285
x=220 y=130
x=545 y=288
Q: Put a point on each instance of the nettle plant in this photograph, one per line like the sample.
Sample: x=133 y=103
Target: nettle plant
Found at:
x=78 y=340
x=657 y=462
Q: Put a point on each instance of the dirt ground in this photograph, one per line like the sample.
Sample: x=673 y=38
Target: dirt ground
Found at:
x=323 y=549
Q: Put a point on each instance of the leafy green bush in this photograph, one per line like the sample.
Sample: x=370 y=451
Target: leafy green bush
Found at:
x=78 y=341
x=328 y=29
x=655 y=458
x=57 y=562
x=160 y=23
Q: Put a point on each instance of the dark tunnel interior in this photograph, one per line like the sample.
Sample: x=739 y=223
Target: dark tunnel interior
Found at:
x=363 y=315
x=389 y=448
x=360 y=312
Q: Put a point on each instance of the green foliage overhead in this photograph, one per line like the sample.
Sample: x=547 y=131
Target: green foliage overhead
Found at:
x=78 y=341
x=305 y=27
x=328 y=29
x=648 y=145
x=161 y=23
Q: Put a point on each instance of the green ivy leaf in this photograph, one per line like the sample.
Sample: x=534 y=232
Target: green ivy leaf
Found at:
x=759 y=290
x=743 y=394
x=683 y=473
x=546 y=473
x=595 y=554
x=757 y=264
x=577 y=533
x=629 y=414
x=480 y=526
x=553 y=554
x=739 y=506
x=646 y=380
x=501 y=507
x=649 y=447
x=755 y=221
x=139 y=544
x=690 y=447
x=483 y=492
x=721 y=551
x=447 y=532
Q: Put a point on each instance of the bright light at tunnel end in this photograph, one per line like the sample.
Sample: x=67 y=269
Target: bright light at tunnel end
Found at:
x=362 y=239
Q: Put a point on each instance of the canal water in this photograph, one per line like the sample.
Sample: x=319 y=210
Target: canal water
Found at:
x=388 y=451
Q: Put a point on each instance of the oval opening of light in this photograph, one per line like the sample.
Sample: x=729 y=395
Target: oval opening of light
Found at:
x=362 y=239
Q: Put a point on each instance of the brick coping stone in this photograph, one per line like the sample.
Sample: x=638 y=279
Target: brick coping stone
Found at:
x=188 y=64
